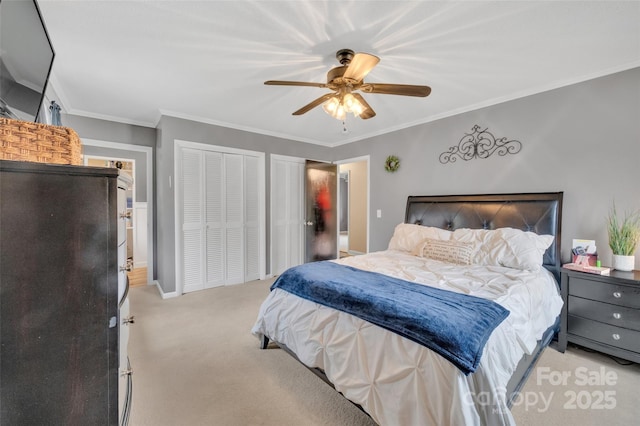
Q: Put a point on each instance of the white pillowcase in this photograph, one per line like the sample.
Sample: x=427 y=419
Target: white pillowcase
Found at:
x=407 y=236
x=508 y=247
x=446 y=251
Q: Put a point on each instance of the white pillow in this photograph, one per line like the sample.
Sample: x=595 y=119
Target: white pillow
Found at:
x=447 y=251
x=407 y=236
x=508 y=247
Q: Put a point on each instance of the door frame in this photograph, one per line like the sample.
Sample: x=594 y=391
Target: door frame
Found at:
x=177 y=166
x=340 y=207
x=367 y=159
x=148 y=151
x=87 y=158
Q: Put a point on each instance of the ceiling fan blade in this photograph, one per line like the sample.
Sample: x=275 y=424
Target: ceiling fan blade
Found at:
x=293 y=83
x=396 y=89
x=360 y=66
x=368 y=111
x=322 y=99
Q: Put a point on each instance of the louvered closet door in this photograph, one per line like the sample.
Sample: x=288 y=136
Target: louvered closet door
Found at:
x=192 y=232
x=295 y=214
x=252 y=218
x=286 y=214
x=214 y=231
x=221 y=228
x=280 y=177
x=234 y=217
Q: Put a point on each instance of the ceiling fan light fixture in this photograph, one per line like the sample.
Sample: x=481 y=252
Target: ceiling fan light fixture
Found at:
x=335 y=108
x=338 y=107
x=352 y=104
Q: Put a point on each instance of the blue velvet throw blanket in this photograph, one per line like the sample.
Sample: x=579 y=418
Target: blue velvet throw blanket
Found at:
x=454 y=325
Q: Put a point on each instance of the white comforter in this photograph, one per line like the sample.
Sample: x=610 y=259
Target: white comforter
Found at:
x=399 y=382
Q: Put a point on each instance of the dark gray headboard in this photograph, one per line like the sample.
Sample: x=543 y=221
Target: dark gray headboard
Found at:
x=536 y=212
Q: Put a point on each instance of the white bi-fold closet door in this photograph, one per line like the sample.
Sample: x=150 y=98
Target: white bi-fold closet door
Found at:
x=220 y=206
x=287 y=212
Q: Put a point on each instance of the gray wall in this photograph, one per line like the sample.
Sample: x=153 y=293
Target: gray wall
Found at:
x=103 y=130
x=171 y=129
x=582 y=139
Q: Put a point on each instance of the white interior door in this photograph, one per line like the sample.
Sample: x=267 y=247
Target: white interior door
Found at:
x=251 y=218
x=287 y=213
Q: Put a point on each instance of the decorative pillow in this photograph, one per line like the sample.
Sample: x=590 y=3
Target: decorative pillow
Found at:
x=407 y=236
x=508 y=247
x=447 y=251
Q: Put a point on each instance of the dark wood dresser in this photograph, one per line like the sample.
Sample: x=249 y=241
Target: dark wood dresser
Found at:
x=59 y=295
x=602 y=312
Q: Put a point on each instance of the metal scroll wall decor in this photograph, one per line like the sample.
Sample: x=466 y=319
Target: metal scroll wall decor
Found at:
x=479 y=144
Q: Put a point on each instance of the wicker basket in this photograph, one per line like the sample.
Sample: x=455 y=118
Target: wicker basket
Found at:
x=40 y=143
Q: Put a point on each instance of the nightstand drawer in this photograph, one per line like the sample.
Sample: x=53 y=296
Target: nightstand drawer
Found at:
x=615 y=315
x=610 y=335
x=622 y=295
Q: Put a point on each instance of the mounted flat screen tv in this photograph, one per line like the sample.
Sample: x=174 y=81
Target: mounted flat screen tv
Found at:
x=26 y=57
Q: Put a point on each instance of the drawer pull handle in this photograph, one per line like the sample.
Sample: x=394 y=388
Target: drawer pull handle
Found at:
x=617 y=294
x=125 y=215
x=615 y=336
x=616 y=315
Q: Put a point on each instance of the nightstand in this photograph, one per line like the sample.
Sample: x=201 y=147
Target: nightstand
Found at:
x=601 y=312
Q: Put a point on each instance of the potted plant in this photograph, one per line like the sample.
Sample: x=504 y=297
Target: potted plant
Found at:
x=624 y=236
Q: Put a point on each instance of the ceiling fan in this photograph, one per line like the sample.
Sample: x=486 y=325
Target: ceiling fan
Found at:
x=345 y=80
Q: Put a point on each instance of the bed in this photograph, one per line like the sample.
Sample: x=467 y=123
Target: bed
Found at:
x=501 y=251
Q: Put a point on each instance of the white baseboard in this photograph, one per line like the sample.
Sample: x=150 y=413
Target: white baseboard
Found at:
x=162 y=293
x=175 y=293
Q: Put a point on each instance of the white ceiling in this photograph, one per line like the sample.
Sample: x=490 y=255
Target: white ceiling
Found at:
x=133 y=61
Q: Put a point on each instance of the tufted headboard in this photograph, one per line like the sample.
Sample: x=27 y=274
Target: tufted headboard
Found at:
x=536 y=212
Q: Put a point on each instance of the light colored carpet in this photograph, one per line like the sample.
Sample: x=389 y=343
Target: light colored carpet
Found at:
x=196 y=363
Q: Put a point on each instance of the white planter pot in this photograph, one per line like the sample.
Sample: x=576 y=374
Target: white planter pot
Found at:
x=623 y=263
